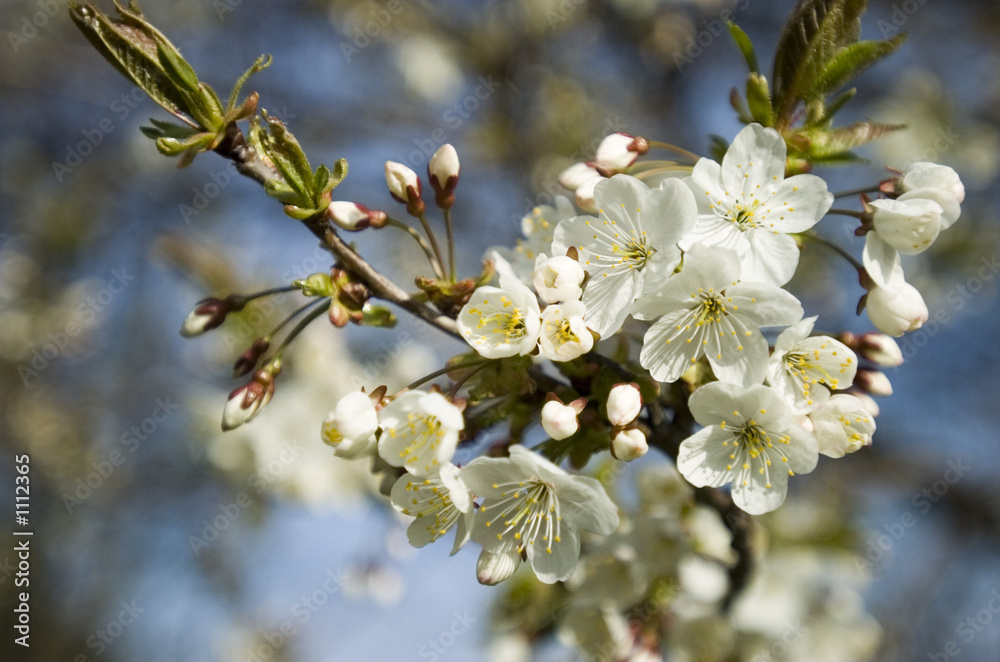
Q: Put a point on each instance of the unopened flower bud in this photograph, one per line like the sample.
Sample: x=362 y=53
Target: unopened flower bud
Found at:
x=873 y=382
x=584 y=195
x=558 y=278
x=629 y=445
x=896 y=309
x=209 y=314
x=352 y=216
x=559 y=420
x=618 y=151
x=881 y=349
x=248 y=359
x=443 y=170
x=350 y=428
x=624 y=404
x=870 y=404
x=246 y=402
x=404 y=185
x=925 y=174
x=577 y=175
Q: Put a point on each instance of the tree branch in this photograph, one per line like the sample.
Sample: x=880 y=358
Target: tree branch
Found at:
x=235 y=148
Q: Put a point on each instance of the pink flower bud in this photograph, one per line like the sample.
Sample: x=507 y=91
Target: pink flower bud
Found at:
x=248 y=359
x=352 y=216
x=443 y=170
x=404 y=185
x=246 y=402
x=874 y=382
x=209 y=314
x=881 y=349
x=618 y=151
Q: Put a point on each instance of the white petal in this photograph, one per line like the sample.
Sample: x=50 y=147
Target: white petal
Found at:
x=755 y=497
x=882 y=261
x=755 y=158
x=762 y=304
x=797 y=205
x=772 y=257
x=585 y=505
x=493 y=568
x=557 y=563
x=703 y=459
x=747 y=366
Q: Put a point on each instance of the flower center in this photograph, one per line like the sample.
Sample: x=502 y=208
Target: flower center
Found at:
x=565 y=334
x=636 y=252
x=743 y=217
x=509 y=325
x=431 y=497
x=527 y=509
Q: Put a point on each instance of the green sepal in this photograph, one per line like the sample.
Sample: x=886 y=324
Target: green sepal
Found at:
x=380 y=316
x=316 y=285
x=745 y=45
x=169 y=146
x=839 y=102
x=759 y=99
x=261 y=63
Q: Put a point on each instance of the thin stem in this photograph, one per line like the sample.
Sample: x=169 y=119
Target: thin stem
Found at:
x=433 y=240
x=298 y=311
x=461 y=382
x=451 y=244
x=443 y=371
x=266 y=293
x=860 y=215
x=438 y=271
x=306 y=321
x=857 y=191
x=811 y=236
x=674 y=148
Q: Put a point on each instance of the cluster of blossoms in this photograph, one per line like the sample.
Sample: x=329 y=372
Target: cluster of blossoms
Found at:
x=704 y=261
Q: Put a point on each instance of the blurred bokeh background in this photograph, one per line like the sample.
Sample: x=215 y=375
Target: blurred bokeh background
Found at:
x=159 y=538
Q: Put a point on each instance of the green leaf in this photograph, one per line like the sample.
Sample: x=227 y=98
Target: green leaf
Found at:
x=736 y=101
x=131 y=45
x=176 y=67
x=718 y=147
x=850 y=61
x=261 y=63
x=815 y=31
x=173 y=146
x=834 y=106
x=745 y=45
x=827 y=143
x=280 y=146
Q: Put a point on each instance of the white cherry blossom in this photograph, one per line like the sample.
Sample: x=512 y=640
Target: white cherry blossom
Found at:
x=746 y=204
x=909 y=226
x=350 y=428
x=801 y=365
x=419 y=432
x=558 y=278
x=842 y=425
x=501 y=321
x=438 y=503
x=632 y=245
x=925 y=174
x=894 y=306
x=706 y=310
x=748 y=440
x=564 y=334
x=533 y=507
